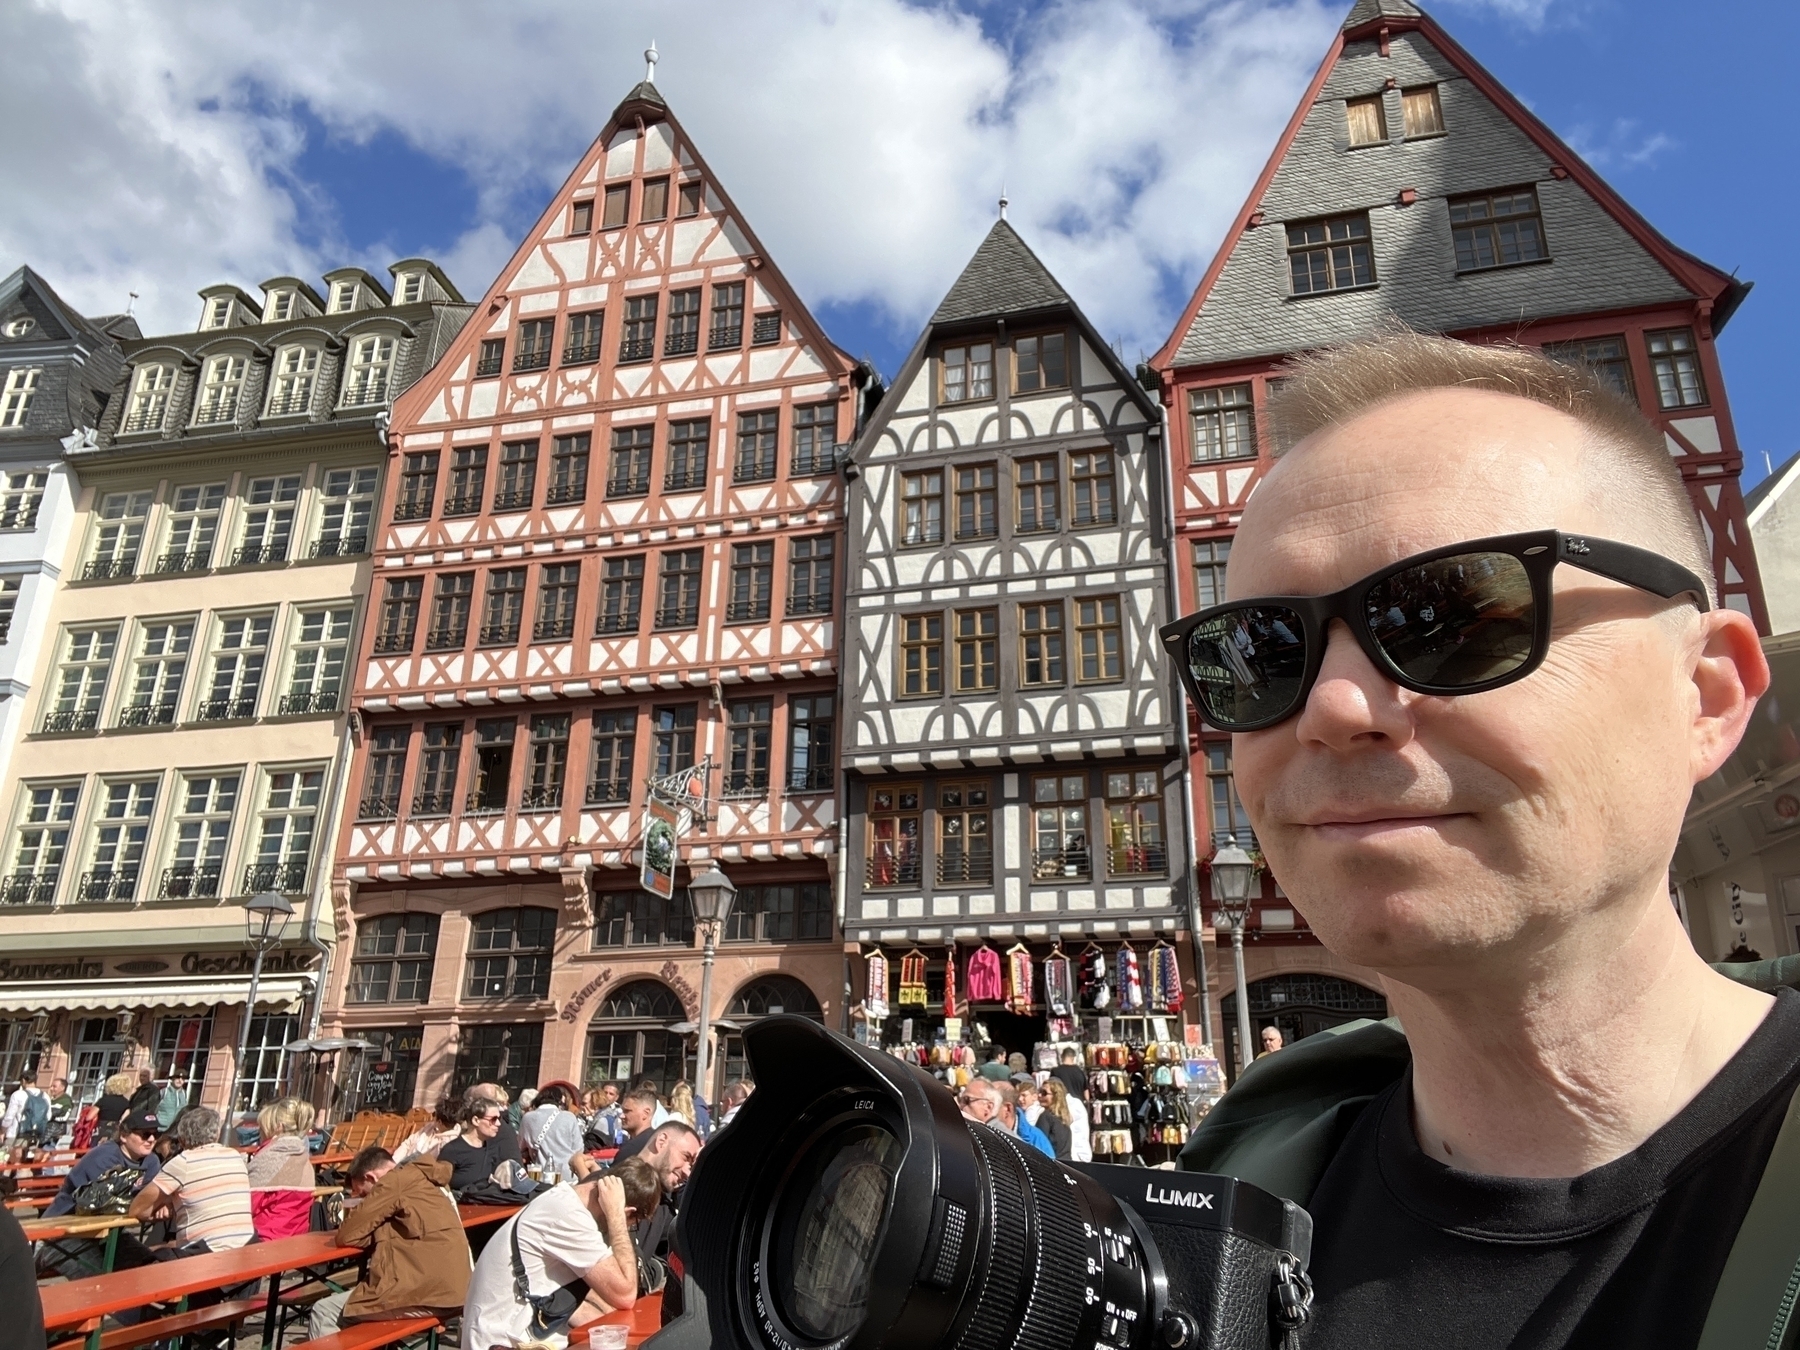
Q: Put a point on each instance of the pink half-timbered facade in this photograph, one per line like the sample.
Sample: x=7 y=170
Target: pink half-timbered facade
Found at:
x=611 y=551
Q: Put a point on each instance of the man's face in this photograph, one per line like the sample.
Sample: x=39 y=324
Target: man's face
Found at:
x=136 y=1144
x=1419 y=834
x=608 y=1095
x=673 y=1156
x=980 y=1106
x=62 y=1086
x=1271 y=1038
x=636 y=1115
x=367 y=1182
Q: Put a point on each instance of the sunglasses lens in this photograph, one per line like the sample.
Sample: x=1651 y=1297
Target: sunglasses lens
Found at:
x=1248 y=665
x=1456 y=622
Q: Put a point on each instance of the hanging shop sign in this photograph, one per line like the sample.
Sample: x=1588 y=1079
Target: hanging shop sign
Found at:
x=658 y=872
x=62 y=969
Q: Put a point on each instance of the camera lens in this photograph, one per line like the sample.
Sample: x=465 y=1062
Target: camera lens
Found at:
x=827 y=1225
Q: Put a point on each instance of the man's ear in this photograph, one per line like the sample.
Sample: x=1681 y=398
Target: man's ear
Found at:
x=1730 y=674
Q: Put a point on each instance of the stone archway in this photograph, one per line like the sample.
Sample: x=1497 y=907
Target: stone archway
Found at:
x=629 y=1036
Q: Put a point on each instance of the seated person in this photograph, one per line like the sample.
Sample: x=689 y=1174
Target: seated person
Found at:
x=205 y=1189
x=434 y=1134
x=135 y=1147
x=418 y=1262
x=637 y=1118
x=558 y=1137
x=281 y=1170
x=473 y=1154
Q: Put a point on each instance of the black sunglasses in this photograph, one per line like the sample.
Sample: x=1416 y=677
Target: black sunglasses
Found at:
x=1455 y=620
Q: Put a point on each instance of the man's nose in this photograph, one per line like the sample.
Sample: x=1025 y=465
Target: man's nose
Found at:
x=1353 y=705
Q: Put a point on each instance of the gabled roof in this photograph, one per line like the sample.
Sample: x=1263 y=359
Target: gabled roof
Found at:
x=73 y=323
x=1779 y=480
x=1363 y=11
x=1003 y=278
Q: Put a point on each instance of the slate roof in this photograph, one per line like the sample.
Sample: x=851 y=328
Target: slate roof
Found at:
x=1004 y=277
x=643 y=92
x=1364 y=10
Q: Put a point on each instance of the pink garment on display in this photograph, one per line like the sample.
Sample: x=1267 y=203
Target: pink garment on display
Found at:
x=984 y=975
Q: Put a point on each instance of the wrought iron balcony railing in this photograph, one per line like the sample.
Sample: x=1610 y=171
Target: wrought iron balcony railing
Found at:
x=608 y=792
x=416 y=507
x=73 y=719
x=747 y=611
x=1137 y=860
x=553 y=630
x=105 y=886
x=512 y=499
x=110 y=569
x=29 y=888
x=893 y=869
x=817 y=603
x=681 y=344
x=637 y=349
x=625 y=621
x=171 y=563
x=813 y=778
x=292 y=405
x=678 y=616
x=341 y=546
x=226 y=709
x=688 y=478
x=561 y=494
x=288 y=877
x=309 y=701
x=252 y=555
x=485 y=803
x=391 y=644
x=148 y=714
x=725 y=338
x=1050 y=863
x=434 y=803
x=586 y=354
x=463 y=504
x=628 y=485
x=766 y=329
x=189 y=883
x=747 y=783
x=383 y=807
x=446 y=639
x=965 y=866
x=500 y=634
x=489 y=364
x=530 y=359
x=547 y=798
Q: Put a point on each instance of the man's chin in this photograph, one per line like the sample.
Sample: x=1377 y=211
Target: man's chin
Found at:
x=1394 y=930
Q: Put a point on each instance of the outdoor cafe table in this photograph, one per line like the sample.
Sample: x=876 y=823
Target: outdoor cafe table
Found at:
x=644 y=1318
x=81 y=1226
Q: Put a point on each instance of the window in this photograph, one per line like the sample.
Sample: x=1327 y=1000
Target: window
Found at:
x=809 y=760
x=765 y=328
x=977 y=650
x=411 y=289
x=220 y=390
x=19 y=327
x=549 y=764
x=450 y=603
x=397 y=1051
x=747 y=770
x=285 y=832
x=673 y=738
x=120 y=830
x=809 y=575
x=291 y=391
x=238 y=663
x=922 y=507
x=418 y=486
x=347 y=505
x=1097 y=639
x=387 y=768
x=921 y=655
x=1224 y=423
x=1675 y=365
x=630 y=1038
x=532 y=350
x=193 y=528
x=503 y=610
x=621 y=595
x=1605 y=356
x=9 y=604
x=965 y=846
x=468 y=480
x=119 y=536
x=1497 y=230
x=1059 y=842
x=655 y=204
x=319 y=657
x=799 y=913
x=268 y=520
x=686 y=470
x=158 y=672
x=1330 y=255
x=639 y=340
x=21 y=496
x=399 y=615
x=559 y=586
x=518 y=476
x=280 y=307
x=629 y=473
x=678 y=602
x=1040 y=362
x=639 y=919
x=614 y=749
x=1134 y=830
x=15 y=400
x=371 y=362
x=1229 y=822
x=218 y=312
x=509 y=953
x=581 y=217
x=683 y=335
x=343 y=297
x=1421 y=112
x=182 y=1048
x=151 y=387
x=1091 y=487
x=1041 y=644
x=756 y=435
x=493 y=764
x=203 y=818
x=507 y=1055
x=81 y=679
x=41 y=843
x=968 y=373
x=616 y=206
x=491 y=358
x=568 y=470
x=1368 y=120
x=439 y=762
x=894 y=824
x=1038 y=498
x=583 y=342
x=977 y=502
x=393 y=957
x=1210 y=557
x=727 y=317
x=687 y=198
x=264 y=1074
x=815 y=439
x=752 y=581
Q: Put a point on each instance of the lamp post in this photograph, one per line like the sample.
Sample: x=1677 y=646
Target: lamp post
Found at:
x=265 y=920
x=710 y=894
x=1234 y=874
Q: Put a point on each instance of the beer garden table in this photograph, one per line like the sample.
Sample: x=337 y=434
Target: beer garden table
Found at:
x=81 y=1226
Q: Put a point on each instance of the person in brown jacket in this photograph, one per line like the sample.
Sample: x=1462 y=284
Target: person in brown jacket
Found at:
x=419 y=1262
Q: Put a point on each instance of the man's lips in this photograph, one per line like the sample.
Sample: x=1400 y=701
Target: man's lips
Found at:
x=1365 y=822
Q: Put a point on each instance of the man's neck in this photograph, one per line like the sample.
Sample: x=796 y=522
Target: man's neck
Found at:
x=1589 y=1048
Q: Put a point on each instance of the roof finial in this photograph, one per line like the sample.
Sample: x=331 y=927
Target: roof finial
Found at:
x=1003 y=201
x=650 y=62
x=130 y=301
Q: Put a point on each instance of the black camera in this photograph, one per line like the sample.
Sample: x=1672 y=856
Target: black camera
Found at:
x=850 y=1206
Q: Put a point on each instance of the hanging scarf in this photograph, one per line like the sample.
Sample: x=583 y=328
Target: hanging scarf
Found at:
x=950 y=983
x=1131 y=984
x=984 y=975
x=1170 y=965
x=1018 y=979
x=1096 y=981
x=1059 y=984
x=876 y=1001
x=1156 y=983
x=912 y=979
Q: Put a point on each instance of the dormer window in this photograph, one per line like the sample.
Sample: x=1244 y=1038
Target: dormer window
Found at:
x=296 y=370
x=218 y=312
x=221 y=389
x=150 y=390
x=1040 y=361
x=280 y=307
x=968 y=372
x=411 y=288
x=19 y=327
x=371 y=362
x=343 y=297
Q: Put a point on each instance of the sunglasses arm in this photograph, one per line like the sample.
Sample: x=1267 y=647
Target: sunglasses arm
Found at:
x=1632 y=566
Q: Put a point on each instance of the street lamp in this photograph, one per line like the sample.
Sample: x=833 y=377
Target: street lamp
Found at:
x=265 y=920
x=1234 y=875
x=710 y=894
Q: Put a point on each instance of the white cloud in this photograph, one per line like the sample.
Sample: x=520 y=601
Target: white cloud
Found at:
x=1622 y=145
x=865 y=141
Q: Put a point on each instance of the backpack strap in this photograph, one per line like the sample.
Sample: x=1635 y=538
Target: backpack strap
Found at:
x=1753 y=1305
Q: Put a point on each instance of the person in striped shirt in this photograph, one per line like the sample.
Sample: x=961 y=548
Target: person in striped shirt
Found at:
x=205 y=1188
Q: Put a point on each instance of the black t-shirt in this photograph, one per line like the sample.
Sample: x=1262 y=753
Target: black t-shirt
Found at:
x=632 y=1146
x=1074 y=1078
x=470 y=1164
x=1410 y=1253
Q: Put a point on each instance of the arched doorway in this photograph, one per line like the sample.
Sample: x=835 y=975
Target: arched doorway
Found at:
x=764 y=996
x=630 y=1036
x=1299 y=1004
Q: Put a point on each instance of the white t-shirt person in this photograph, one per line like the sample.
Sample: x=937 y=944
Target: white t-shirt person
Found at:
x=560 y=1242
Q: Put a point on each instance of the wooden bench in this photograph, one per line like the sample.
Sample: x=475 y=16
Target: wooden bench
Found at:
x=373 y=1335
x=180 y=1324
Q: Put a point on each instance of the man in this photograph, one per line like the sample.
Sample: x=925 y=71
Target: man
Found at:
x=637 y=1118
x=147 y=1097
x=1568 y=1138
x=603 y=1130
x=645 y=1083
x=1271 y=1041
x=205 y=1188
x=1072 y=1076
x=996 y=1070
x=1031 y=1112
x=418 y=1263
x=991 y=1103
x=27 y=1110
x=135 y=1147
x=671 y=1152
x=174 y=1098
x=19 y=1287
x=730 y=1100
x=62 y=1110
x=569 y=1235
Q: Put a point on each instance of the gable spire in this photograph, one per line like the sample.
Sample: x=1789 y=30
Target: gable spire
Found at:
x=1004 y=277
x=650 y=63
x=1366 y=11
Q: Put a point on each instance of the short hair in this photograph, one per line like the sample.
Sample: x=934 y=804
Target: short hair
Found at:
x=475 y=1108
x=550 y=1096
x=669 y=1129
x=736 y=1091
x=643 y=1188
x=1636 y=479
x=28 y=1075
x=998 y=1056
x=367 y=1161
x=196 y=1126
x=1069 y=1056
x=288 y=1115
x=1006 y=1093
x=643 y=1094
x=448 y=1111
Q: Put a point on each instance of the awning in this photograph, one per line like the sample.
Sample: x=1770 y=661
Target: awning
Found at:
x=279 y=993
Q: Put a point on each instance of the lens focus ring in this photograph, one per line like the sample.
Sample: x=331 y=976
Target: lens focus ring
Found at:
x=996 y=1305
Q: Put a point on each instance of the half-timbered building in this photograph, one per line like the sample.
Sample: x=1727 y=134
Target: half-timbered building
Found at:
x=1014 y=776
x=1409 y=182
x=609 y=552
